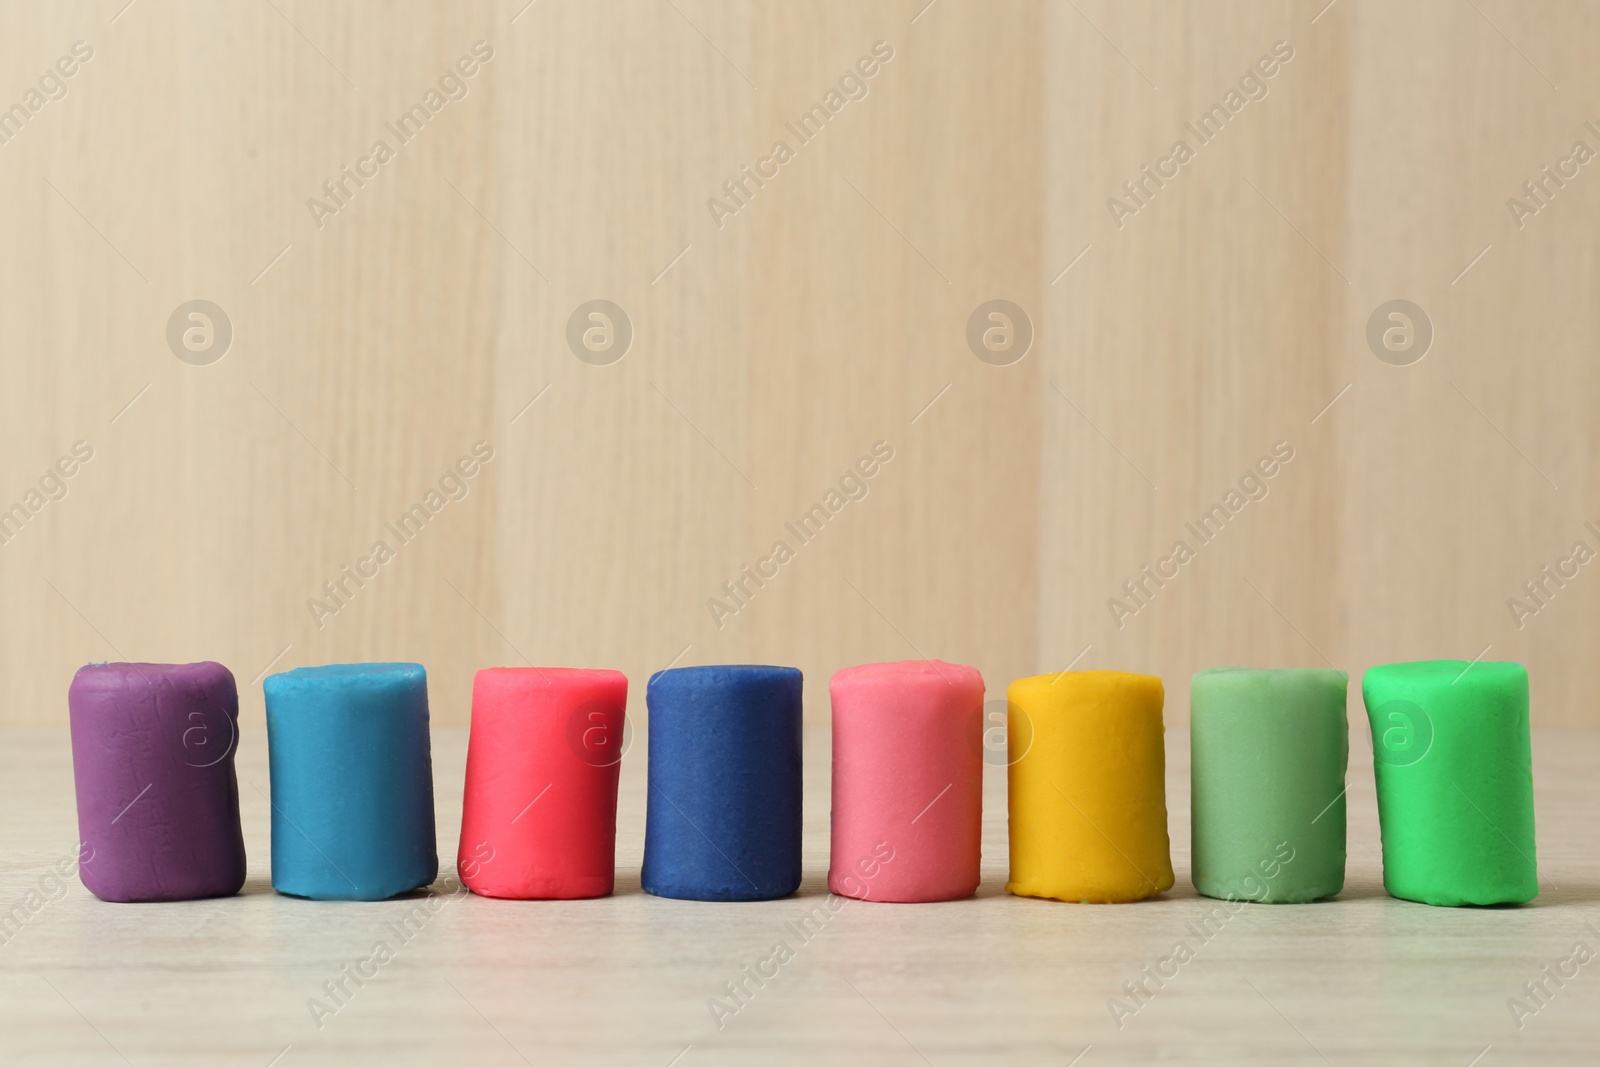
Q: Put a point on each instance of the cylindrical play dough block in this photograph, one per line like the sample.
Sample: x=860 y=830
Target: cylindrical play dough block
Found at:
x=1268 y=753
x=722 y=821
x=352 y=781
x=907 y=781
x=1087 y=787
x=539 y=813
x=152 y=758
x=1454 y=765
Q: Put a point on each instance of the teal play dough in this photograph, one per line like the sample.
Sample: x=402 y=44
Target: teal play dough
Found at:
x=352 y=781
x=1268 y=752
x=1454 y=765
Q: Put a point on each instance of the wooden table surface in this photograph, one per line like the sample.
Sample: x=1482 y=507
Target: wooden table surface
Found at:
x=628 y=980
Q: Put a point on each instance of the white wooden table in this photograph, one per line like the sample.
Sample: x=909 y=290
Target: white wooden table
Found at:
x=627 y=980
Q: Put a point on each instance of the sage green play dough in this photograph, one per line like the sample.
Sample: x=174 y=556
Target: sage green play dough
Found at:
x=1454 y=765
x=1268 y=751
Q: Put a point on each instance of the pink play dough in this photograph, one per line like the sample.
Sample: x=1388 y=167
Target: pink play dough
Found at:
x=907 y=781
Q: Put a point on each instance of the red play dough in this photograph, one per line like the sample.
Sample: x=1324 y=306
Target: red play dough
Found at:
x=539 y=815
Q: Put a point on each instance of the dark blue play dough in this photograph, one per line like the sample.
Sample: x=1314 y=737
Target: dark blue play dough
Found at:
x=722 y=821
x=352 y=781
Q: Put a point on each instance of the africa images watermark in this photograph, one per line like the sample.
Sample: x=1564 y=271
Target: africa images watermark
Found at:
x=1138 y=990
x=1541 y=190
x=1141 y=590
x=51 y=887
x=999 y=333
x=340 y=990
x=1539 y=590
x=1537 y=993
x=853 y=86
x=454 y=85
x=453 y=485
x=51 y=86
x=199 y=332
x=739 y=991
x=1252 y=86
x=53 y=486
x=742 y=588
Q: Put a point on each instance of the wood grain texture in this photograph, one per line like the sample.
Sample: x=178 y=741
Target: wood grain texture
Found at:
x=773 y=346
x=1362 y=979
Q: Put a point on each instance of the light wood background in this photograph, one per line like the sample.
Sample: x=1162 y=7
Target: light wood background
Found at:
x=769 y=354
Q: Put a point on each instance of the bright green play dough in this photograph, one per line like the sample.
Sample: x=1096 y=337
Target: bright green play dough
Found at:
x=1268 y=751
x=1454 y=766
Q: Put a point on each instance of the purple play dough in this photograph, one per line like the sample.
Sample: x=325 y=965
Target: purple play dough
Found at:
x=158 y=803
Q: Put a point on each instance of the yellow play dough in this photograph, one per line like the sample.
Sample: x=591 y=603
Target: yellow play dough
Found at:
x=1087 y=787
